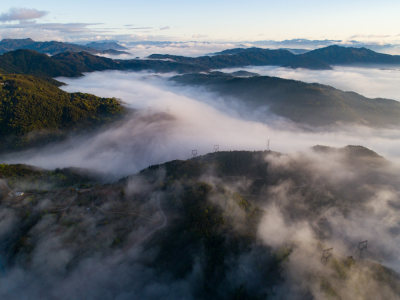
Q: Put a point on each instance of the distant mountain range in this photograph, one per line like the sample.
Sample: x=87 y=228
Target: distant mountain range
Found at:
x=240 y=57
x=53 y=47
x=310 y=104
x=106 y=45
x=319 y=59
x=305 y=103
x=73 y=64
x=77 y=59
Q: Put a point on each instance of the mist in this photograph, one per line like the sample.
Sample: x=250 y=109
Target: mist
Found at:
x=190 y=48
x=321 y=200
x=170 y=121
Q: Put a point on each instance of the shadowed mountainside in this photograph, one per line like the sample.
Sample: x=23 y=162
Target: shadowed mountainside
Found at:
x=73 y=63
x=306 y=103
x=195 y=229
x=318 y=59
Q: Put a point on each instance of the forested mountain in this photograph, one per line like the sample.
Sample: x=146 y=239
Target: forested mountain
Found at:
x=72 y=64
x=319 y=59
x=312 y=104
x=33 y=110
x=228 y=225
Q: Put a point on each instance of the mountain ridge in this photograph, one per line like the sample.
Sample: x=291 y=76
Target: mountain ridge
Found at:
x=34 y=110
x=55 y=47
x=311 y=104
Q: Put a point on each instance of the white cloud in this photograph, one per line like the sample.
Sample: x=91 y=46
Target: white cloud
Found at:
x=174 y=120
x=22 y=14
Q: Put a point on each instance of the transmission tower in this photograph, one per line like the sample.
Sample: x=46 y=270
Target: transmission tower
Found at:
x=362 y=247
x=326 y=254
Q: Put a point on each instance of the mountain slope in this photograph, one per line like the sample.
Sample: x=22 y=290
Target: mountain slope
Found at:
x=73 y=64
x=106 y=45
x=319 y=59
x=247 y=57
x=311 y=104
x=208 y=227
x=31 y=62
x=337 y=55
x=33 y=109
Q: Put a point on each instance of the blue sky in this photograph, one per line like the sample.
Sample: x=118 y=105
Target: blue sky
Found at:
x=206 y=20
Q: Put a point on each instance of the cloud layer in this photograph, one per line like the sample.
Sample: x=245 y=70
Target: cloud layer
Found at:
x=22 y=14
x=171 y=121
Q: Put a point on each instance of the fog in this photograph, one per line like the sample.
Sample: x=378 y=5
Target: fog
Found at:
x=372 y=82
x=363 y=206
x=320 y=201
x=191 y=48
x=296 y=223
x=171 y=121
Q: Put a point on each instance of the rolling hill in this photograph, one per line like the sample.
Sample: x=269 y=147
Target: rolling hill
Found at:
x=319 y=59
x=248 y=57
x=311 y=104
x=73 y=64
x=337 y=55
x=34 y=110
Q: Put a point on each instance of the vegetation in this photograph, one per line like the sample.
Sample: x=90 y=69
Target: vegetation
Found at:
x=248 y=57
x=28 y=178
x=307 y=103
x=73 y=64
x=319 y=59
x=337 y=55
x=210 y=242
x=72 y=60
x=33 y=108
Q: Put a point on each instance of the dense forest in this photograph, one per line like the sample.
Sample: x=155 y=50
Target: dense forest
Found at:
x=32 y=105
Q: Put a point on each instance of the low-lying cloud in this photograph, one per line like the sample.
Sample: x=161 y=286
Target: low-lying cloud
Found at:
x=309 y=201
x=171 y=121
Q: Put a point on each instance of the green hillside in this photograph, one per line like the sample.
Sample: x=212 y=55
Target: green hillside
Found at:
x=33 y=108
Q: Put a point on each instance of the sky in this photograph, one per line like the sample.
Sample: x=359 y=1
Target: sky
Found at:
x=206 y=20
